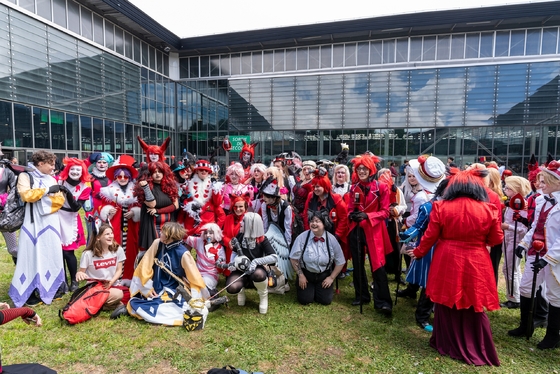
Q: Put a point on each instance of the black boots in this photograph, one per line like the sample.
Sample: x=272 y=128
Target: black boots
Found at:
x=539 y=314
x=552 y=336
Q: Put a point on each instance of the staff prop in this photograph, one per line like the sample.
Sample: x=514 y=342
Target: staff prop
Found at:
x=517 y=203
x=538 y=246
x=360 y=265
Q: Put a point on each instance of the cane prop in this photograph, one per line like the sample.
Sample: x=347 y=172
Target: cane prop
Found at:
x=538 y=247
x=359 y=259
x=517 y=203
x=232 y=282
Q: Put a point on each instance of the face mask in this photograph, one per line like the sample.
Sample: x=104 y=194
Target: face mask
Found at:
x=75 y=172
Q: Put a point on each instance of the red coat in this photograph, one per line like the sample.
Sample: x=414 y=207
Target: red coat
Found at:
x=376 y=205
x=461 y=272
x=229 y=231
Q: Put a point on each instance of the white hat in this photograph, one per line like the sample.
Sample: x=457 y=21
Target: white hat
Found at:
x=271 y=187
x=429 y=171
x=552 y=168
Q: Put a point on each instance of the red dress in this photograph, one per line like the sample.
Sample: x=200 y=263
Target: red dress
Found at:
x=461 y=273
x=232 y=225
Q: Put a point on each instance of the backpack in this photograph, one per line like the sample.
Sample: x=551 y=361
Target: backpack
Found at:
x=86 y=302
x=13 y=213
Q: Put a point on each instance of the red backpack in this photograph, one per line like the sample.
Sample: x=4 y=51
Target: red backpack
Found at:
x=86 y=302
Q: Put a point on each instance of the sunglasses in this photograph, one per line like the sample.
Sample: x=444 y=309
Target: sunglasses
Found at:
x=121 y=177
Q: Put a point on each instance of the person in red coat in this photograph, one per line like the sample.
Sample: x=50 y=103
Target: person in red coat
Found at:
x=321 y=198
x=204 y=200
x=368 y=232
x=232 y=225
x=460 y=281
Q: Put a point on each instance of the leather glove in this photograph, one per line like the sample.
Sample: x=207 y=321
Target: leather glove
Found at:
x=538 y=265
x=54 y=188
x=357 y=216
x=406 y=215
x=251 y=269
x=519 y=218
x=519 y=250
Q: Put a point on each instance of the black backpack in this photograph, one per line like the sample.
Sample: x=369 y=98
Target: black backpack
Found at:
x=13 y=213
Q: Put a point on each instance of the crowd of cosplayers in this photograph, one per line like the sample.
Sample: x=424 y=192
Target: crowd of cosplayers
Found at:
x=160 y=233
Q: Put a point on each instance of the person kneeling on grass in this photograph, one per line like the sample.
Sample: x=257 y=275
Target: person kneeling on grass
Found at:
x=102 y=260
x=317 y=259
x=157 y=294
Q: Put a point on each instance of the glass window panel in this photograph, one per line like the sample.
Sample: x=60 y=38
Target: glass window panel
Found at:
x=256 y=60
x=306 y=100
x=6 y=124
x=302 y=55
x=402 y=50
x=542 y=103
x=152 y=57
x=422 y=101
x=443 y=49
x=193 y=67
x=283 y=103
x=130 y=140
x=291 y=59
x=214 y=66
x=73 y=16
x=480 y=99
x=473 y=41
x=429 y=48
x=533 y=45
x=22 y=123
x=279 y=60
x=205 y=66
x=355 y=100
x=502 y=43
x=326 y=51
x=517 y=47
x=378 y=96
x=28 y=5
x=314 y=58
x=98 y=138
x=330 y=101
x=416 y=49
x=457 y=46
x=338 y=55
x=137 y=50
x=388 y=51
x=128 y=45
x=59 y=12
x=86 y=123
x=72 y=132
x=165 y=65
x=549 y=40
x=98 y=33
x=224 y=65
x=235 y=64
x=44 y=9
x=398 y=98
x=363 y=53
x=268 y=62
x=451 y=97
x=109 y=138
x=146 y=57
x=246 y=63
x=41 y=128
x=109 y=35
x=486 y=44
x=119 y=138
x=511 y=94
x=87 y=23
x=57 y=129
x=350 y=54
x=119 y=41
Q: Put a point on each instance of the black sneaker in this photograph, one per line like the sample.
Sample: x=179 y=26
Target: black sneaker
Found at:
x=510 y=305
x=120 y=311
x=73 y=286
x=62 y=290
x=33 y=301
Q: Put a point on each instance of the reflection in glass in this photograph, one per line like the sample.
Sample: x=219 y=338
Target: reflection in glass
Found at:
x=326 y=51
x=517 y=47
x=487 y=44
x=356 y=100
x=443 y=47
x=451 y=97
x=422 y=97
x=533 y=45
x=502 y=43
x=549 y=40
x=388 y=51
x=429 y=48
x=416 y=48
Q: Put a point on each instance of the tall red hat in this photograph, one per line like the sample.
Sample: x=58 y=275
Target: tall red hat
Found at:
x=122 y=162
x=154 y=149
x=248 y=148
x=202 y=165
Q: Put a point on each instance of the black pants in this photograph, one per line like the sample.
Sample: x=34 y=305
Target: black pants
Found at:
x=314 y=292
x=495 y=257
x=424 y=308
x=392 y=260
x=381 y=294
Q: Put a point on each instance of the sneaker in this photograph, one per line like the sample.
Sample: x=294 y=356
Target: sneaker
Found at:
x=120 y=311
x=426 y=326
x=510 y=305
x=33 y=301
x=73 y=286
x=62 y=290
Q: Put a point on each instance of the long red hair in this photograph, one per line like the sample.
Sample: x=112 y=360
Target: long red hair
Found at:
x=168 y=185
x=68 y=163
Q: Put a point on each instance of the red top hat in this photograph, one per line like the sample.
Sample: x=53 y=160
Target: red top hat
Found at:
x=202 y=165
x=122 y=162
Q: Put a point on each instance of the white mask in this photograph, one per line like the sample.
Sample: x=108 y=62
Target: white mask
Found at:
x=75 y=172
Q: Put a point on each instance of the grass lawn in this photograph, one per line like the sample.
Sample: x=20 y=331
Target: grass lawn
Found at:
x=289 y=339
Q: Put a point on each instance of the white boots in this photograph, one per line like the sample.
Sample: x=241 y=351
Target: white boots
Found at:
x=262 y=290
x=241 y=297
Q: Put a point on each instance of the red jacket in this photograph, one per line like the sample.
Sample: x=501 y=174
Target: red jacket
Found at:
x=461 y=272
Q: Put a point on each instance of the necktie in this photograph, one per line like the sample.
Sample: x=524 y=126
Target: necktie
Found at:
x=318 y=239
x=551 y=200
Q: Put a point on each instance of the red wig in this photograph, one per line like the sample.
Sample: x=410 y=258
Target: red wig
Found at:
x=366 y=160
x=250 y=148
x=468 y=183
x=168 y=184
x=68 y=163
x=322 y=181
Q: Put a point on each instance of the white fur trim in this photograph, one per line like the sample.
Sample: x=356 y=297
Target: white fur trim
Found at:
x=135 y=213
x=217 y=187
x=104 y=212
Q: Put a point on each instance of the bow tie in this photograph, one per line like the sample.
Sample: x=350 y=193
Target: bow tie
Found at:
x=273 y=207
x=551 y=200
x=339 y=185
x=318 y=239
